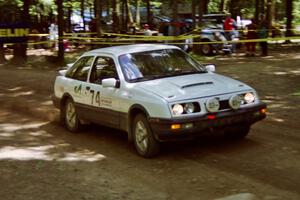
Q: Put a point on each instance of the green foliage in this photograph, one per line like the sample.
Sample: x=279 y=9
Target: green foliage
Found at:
x=213 y=6
x=42 y=6
x=296 y=11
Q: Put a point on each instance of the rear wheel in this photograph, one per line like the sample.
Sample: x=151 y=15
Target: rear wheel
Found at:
x=71 y=119
x=145 y=143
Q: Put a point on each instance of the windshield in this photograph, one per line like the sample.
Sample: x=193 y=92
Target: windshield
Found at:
x=150 y=65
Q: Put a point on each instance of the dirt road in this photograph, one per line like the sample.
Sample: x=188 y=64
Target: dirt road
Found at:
x=39 y=159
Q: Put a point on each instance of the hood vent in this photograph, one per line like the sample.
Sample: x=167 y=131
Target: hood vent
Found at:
x=196 y=84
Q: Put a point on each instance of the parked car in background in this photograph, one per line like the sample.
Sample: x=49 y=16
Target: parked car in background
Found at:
x=214 y=40
x=155 y=93
x=212 y=34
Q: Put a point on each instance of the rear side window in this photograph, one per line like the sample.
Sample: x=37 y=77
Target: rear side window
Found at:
x=81 y=68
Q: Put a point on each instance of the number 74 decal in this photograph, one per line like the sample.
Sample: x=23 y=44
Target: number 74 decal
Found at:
x=104 y=102
x=95 y=95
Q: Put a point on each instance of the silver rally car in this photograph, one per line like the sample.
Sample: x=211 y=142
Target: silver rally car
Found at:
x=155 y=93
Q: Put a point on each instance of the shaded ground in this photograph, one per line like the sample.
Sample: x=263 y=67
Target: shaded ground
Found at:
x=40 y=160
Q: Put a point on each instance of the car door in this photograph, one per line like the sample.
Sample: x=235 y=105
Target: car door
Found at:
x=77 y=83
x=104 y=101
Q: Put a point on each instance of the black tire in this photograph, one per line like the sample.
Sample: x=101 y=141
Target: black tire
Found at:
x=70 y=116
x=206 y=49
x=145 y=143
x=237 y=131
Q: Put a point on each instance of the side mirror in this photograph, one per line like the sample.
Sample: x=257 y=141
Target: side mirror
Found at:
x=70 y=65
x=210 y=68
x=62 y=72
x=110 y=82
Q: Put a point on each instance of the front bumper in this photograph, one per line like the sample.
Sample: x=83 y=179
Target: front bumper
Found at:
x=192 y=126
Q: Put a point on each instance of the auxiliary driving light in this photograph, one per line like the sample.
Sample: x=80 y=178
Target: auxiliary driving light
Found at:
x=235 y=102
x=212 y=105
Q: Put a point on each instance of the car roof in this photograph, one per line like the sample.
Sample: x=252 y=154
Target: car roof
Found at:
x=124 y=49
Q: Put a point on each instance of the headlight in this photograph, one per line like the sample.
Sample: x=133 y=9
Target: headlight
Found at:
x=189 y=108
x=185 y=108
x=177 y=109
x=249 y=97
x=235 y=102
x=212 y=105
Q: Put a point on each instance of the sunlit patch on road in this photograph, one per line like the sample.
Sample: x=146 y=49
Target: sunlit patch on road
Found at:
x=42 y=153
x=29 y=144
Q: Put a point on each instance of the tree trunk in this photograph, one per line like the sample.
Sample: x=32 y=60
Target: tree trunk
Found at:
x=20 y=49
x=205 y=6
x=137 y=14
x=116 y=16
x=129 y=14
x=69 y=14
x=194 y=13
x=200 y=12
x=257 y=10
x=98 y=9
x=149 y=15
x=108 y=10
x=175 y=18
x=262 y=7
x=82 y=8
x=2 y=54
x=289 y=17
x=269 y=13
x=60 y=21
x=94 y=8
x=222 y=6
x=124 y=16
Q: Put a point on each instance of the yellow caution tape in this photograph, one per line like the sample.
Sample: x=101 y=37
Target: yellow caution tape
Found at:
x=112 y=42
x=38 y=34
x=155 y=39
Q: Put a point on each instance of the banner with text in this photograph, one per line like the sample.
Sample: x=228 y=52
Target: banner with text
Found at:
x=14 y=33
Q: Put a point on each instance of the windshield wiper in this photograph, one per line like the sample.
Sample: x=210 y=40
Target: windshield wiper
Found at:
x=144 y=78
x=179 y=73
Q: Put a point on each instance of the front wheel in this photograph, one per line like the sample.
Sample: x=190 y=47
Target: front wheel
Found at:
x=206 y=49
x=71 y=119
x=145 y=143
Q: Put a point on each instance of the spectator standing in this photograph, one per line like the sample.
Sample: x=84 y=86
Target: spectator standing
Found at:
x=53 y=35
x=263 y=34
x=93 y=26
x=251 y=35
x=229 y=27
x=147 y=30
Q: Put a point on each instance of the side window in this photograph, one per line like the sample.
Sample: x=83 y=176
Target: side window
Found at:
x=104 y=67
x=80 y=69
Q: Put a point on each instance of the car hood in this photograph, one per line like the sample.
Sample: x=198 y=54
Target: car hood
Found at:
x=192 y=86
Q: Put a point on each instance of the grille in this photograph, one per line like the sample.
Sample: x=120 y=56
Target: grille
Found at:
x=224 y=104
